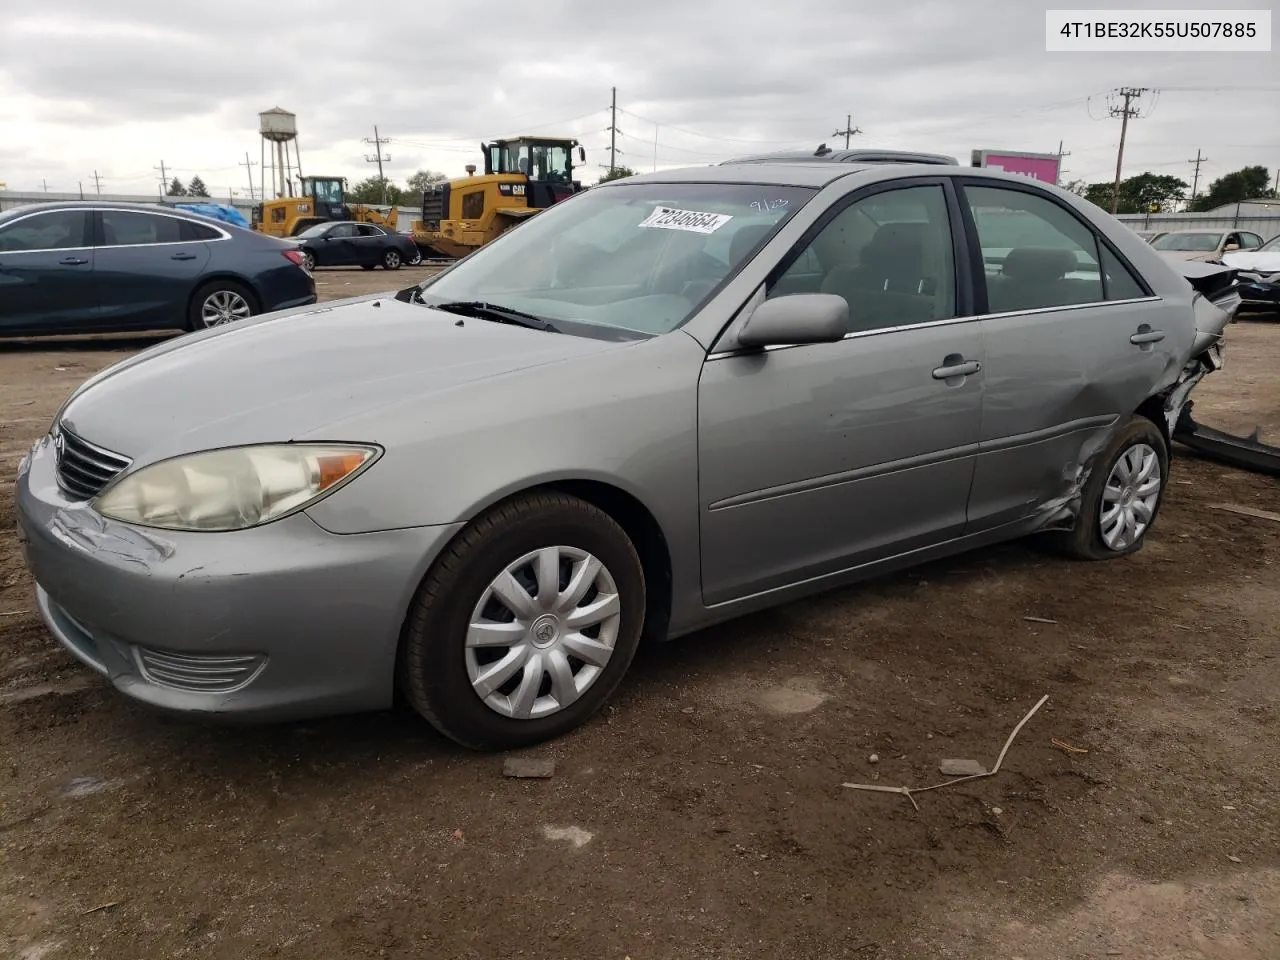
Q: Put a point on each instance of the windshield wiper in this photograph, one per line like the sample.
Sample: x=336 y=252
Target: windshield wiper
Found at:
x=484 y=310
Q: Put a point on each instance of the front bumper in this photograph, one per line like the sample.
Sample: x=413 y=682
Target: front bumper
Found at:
x=279 y=622
x=1259 y=294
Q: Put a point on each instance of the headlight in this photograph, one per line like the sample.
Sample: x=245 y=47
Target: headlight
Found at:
x=233 y=489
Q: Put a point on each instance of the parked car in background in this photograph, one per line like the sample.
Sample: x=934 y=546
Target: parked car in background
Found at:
x=675 y=399
x=347 y=243
x=1206 y=245
x=1259 y=277
x=1151 y=235
x=77 y=267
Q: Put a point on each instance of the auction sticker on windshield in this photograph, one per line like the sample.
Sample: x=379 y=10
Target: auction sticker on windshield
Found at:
x=694 y=221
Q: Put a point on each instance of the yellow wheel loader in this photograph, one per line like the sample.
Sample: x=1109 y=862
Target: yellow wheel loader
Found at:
x=322 y=199
x=521 y=176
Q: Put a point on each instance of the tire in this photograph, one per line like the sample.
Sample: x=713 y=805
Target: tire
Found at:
x=1089 y=540
x=391 y=259
x=416 y=258
x=436 y=667
x=219 y=302
x=308 y=261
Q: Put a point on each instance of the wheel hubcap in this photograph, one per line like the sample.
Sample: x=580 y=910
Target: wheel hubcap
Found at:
x=542 y=632
x=1129 y=497
x=224 y=306
x=393 y=259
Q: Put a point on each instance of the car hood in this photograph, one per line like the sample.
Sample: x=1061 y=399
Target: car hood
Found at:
x=1187 y=254
x=282 y=376
x=1267 y=262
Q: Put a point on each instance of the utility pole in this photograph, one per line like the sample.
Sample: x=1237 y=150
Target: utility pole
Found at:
x=164 y=178
x=1129 y=94
x=1195 y=180
x=377 y=158
x=81 y=183
x=848 y=131
x=45 y=184
x=97 y=182
x=613 y=131
x=1060 y=155
x=655 y=149
x=1276 y=188
x=248 y=169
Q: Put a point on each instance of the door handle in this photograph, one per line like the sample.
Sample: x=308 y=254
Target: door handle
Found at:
x=1147 y=336
x=183 y=256
x=956 y=367
x=72 y=261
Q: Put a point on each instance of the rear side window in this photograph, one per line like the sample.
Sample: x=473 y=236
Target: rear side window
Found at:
x=1037 y=255
x=197 y=231
x=1121 y=284
x=130 y=228
x=56 y=230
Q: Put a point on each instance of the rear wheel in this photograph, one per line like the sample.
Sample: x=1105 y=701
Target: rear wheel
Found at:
x=308 y=260
x=1122 y=495
x=525 y=625
x=391 y=259
x=219 y=302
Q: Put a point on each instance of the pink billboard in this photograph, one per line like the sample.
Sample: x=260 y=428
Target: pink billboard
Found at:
x=1037 y=166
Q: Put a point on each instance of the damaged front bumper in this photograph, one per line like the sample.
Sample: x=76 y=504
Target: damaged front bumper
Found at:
x=1219 y=299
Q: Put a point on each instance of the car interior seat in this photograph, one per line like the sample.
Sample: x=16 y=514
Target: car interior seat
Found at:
x=895 y=279
x=1033 y=277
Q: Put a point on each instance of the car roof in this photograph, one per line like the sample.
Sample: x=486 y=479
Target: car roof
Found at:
x=859 y=155
x=815 y=173
x=156 y=207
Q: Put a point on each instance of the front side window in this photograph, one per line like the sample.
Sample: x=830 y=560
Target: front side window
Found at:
x=56 y=230
x=342 y=231
x=889 y=255
x=635 y=257
x=369 y=230
x=1037 y=254
x=128 y=228
x=328 y=191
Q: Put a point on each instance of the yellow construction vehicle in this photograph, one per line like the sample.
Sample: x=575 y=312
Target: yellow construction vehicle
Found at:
x=322 y=199
x=521 y=176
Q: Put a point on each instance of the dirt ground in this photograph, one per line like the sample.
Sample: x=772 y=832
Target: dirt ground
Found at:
x=703 y=815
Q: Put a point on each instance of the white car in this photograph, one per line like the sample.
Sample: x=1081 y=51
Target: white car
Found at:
x=1259 y=276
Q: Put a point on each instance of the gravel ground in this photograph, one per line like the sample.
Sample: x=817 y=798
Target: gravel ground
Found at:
x=702 y=815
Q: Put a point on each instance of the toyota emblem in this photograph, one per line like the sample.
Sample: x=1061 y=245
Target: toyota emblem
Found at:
x=546 y=632
x=58 y=443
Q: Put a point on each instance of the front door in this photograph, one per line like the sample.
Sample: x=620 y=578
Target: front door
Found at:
x=46 y=273
x=148 y=265
x=820 y=458
x=337 y=248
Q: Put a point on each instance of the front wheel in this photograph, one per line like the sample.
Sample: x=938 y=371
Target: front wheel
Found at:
x=391 y=259
x=525 y=625
x=1122 y=496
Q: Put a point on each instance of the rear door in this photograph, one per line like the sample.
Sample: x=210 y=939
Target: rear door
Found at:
x=147 y=267
x=1074 y=341
x=369 y=243
x=46 y=273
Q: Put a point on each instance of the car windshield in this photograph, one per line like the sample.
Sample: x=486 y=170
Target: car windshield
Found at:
x=1188 y=242
x=633 y=257
x=312 y=232
x=1271 y=246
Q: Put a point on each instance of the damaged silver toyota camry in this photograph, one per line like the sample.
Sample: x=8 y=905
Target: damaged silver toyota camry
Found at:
x=662 y=403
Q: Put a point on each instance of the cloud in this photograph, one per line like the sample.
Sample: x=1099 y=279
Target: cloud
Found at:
x=120 y=87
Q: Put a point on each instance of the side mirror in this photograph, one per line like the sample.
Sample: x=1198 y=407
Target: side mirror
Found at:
x=796 y=318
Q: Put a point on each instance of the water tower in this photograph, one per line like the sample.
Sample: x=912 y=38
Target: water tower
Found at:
x=280 y=129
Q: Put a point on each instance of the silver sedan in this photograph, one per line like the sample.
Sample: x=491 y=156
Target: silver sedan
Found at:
x=666 y=402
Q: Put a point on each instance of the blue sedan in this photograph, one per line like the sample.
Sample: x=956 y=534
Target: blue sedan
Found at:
x=77 y=267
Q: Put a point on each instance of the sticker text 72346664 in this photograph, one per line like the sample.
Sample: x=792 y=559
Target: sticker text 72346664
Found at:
x=694 y=221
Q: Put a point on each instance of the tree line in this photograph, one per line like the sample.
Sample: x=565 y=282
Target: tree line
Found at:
x=1155 y=193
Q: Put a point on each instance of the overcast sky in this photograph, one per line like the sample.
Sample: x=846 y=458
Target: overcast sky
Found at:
x=118 y=86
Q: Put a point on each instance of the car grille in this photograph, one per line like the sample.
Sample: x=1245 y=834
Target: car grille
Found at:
x=84 y=469
x=198 y=673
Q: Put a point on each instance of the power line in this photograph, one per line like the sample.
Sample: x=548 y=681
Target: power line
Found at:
x=1129 y=94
